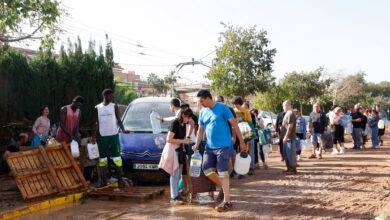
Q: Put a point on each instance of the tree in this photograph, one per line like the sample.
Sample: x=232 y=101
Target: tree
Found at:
x=271 y=100
x=169 y=81
x=29 y=19
x=244 y=62
x=349 y=90
x=124 y=93
x=305 y=88
x=156 y=83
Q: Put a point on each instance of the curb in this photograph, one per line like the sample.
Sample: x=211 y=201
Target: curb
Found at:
x=73 y=198
x=47 y=204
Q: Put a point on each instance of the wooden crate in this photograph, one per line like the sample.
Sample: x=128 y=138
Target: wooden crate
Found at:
x=43 y=171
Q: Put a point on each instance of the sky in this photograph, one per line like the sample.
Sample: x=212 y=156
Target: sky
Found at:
x=343 y=36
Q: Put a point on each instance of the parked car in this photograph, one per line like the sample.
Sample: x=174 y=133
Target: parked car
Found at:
x=141 y=149
x=269 y=119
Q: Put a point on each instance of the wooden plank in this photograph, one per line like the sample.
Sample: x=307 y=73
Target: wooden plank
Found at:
x=34 y=178
x=59 y=174
x=40 y=168
x=72 y=171
x=64 y=161
x=23 y=153
x=49 y=184
x=75 y=166
x=18 y=182
x=25 y=163
x=52 y=171
x=22 y=184
x=63 y=172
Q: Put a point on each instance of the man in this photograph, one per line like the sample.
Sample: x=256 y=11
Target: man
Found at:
x=215 y=119
x=221 y=99
x=364 y=126
x=243 y=114
x=357 y=118
x=69 y=121
x=382 y=116
x=108 y=121
x=14 y=146
x=278 y=126
x=288 y=133
x=317 y=126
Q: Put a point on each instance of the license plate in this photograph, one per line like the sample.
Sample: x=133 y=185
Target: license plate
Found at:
x=142 y=166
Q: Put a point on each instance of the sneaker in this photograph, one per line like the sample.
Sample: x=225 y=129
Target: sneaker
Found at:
x=265 y=166
x=251 y=172
x=313 y=156
x=320 y=156
x=232 y=175
x=335 y=152
x=224 y=207
x=381 y=143
x=298 y=157
x=220 y=196
x=257 y=166
x=342 y=151
x=176 y=201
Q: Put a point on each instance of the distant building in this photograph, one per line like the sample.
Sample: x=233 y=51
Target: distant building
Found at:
x=188 y=93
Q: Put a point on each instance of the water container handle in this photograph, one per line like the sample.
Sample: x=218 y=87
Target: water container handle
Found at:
x=243 y=154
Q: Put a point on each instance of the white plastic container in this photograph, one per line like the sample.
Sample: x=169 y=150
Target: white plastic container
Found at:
x=381 y=124
x=74 y=147
x=93 y=151
x=306 y=145
x=242 y=164
x=156 y=124
x=267 y=150
x=196 y=164
x=349 y=128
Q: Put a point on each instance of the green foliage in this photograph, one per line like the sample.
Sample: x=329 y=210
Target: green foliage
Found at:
x=350 y=90
x=169 y=81
x=271 y=99
x=124 y=93
x=27 y=85
x=305 y=88
x=29 y=19
x=244 y=62
x=157 y=83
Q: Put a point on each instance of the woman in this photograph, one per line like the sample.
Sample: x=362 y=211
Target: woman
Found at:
x=176 y=138
x=373 y=119
x=259 y=125
x=300 y=130
x=41 y=127
x=338 y=130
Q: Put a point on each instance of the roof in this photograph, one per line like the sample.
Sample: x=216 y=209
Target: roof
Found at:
x=151 y=99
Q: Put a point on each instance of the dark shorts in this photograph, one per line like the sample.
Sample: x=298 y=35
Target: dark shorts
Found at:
x=216 y=160
x=338 y=134
x=381 y=132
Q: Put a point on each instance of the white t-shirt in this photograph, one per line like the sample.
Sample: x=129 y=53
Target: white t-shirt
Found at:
x=108 y=124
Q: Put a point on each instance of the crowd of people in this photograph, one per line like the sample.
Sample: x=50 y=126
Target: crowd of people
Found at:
x=217 y=128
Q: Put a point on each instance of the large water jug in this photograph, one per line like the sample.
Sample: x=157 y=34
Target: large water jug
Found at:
x=156 y=125
x=267 y=150
x=242 y=163
x=381 y=124
x=196 y=164
x=93 y=151
x=74 y=147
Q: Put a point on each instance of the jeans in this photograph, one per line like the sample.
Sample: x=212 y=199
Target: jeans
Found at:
x=252 y=152
x=356 y=137
x=175 y=179
x=289 y=153
x=374 y=136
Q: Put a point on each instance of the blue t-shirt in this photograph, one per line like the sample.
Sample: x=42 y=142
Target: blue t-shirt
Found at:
x=217 y=127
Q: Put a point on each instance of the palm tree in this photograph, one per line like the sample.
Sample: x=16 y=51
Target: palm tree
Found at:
x=170 y=81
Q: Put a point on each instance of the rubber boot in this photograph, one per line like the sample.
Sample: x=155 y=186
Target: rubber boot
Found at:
x=103 y=176
x=121 y=184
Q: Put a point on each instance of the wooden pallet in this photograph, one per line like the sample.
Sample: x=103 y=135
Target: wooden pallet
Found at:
x=139 y=194
x=43 y=171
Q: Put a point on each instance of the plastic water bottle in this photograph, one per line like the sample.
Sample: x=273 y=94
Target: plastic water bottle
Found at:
x=156 y=125
x=196 y=163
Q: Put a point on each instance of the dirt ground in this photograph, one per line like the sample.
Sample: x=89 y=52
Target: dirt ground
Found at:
x=351 y=186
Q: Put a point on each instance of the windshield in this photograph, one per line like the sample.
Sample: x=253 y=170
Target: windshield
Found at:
x=138 y=116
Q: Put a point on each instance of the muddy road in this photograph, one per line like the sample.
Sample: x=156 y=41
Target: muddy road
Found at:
x=351 y=186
